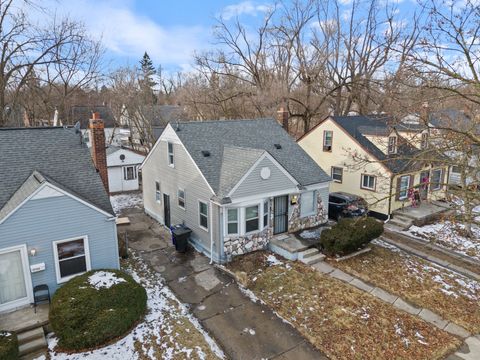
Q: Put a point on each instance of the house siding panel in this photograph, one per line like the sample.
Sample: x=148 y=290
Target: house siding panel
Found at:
x=253 y=184
x=39 y=222
x=183 y=175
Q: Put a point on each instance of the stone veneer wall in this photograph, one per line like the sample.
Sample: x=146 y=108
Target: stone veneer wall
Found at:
x=245 y=244
x=296 y=223
x=233 y=246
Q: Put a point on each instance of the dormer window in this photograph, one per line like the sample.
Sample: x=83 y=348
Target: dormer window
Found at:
x=424 y=143
x=392 y=145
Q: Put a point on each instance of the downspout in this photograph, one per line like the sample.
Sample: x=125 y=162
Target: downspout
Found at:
x=211 y=230
x=390 y=199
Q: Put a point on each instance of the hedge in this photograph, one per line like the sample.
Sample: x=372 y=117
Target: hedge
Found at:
x=85 y=316
x=350 y=235
x=8 y=346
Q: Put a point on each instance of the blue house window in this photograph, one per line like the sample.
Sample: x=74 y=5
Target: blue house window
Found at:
x=72 y=258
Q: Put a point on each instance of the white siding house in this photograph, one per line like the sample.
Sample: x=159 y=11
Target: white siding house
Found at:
x=123 y=167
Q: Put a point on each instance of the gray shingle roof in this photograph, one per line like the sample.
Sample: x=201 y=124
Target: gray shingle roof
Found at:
x=236 y=162
x=359 y=125
x=58 y=155
x=260 y=134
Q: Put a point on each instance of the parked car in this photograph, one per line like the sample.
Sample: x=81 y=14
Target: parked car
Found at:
x=342 y=205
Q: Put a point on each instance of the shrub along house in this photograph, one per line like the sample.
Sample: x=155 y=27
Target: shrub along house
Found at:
x=235 y=183
x=373 y=158
x=56 y=220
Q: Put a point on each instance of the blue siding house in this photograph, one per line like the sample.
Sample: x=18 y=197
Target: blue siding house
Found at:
x=56 y=220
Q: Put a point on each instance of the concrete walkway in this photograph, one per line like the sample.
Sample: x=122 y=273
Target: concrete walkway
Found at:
x=244 y=329
x=469 y=351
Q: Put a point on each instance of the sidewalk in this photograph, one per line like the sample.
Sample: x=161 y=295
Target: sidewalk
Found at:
x=245 y=330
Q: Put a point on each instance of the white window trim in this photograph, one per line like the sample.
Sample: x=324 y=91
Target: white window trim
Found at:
x=406 y=190
x=172 y=154
x=393 y=150
x=158 y=192
x=325 y=140
x=333 y=179
x=245 y=219
x=125 y=172
x=242 y=218
x=199 y=214
x=439 y=180
x=302 y=215
x=367 y=187
x=232 y=222
x=86 y=245
x=265 y=224
x=184 y=198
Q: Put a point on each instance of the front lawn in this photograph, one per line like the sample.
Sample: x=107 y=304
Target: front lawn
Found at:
x=340 y=320
x=451 y=236
x=168 y=330
x=449 y=294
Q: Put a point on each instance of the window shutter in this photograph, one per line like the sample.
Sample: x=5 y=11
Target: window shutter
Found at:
x=397 y=192
x=442 y=179
x=412 y=179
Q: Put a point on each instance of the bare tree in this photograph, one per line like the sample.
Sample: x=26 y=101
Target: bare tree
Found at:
x=26 y=46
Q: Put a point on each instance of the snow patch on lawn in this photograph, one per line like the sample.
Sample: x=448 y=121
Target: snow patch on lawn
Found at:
x=104 y=280
x=272 y=260
x=155 y=332
x=126 y=201
x=449 y=235
x=310 y=234
x=442 y=276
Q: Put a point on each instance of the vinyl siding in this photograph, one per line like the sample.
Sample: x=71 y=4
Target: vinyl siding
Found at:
x=183 y=175
x=253 y=184
x=40 y=222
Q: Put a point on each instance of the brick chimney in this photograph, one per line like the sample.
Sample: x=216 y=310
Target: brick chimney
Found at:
x=282 y=115
x=99 y=152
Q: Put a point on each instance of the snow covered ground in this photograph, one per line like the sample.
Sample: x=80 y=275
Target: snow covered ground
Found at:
x=449 y=235
x=168 y=331
x=126 y=201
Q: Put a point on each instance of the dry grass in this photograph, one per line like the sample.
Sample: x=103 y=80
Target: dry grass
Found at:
x=451 y=295
x=340 y=320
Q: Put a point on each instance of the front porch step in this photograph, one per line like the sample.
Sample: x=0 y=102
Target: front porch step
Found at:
x=313 y=259
x=31 y=342
x=30 y=335
x=307 y=253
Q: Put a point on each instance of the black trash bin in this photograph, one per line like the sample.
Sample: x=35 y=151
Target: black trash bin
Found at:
x=180 y=235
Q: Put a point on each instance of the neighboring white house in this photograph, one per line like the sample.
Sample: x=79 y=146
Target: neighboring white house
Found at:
x=123 y=167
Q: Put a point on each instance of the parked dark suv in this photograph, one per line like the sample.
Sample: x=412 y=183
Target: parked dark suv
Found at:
x=342 y=205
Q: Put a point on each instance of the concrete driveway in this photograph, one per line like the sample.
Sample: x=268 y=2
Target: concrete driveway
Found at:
x=244 y=329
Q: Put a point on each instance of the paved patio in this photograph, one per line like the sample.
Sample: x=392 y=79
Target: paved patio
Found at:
x=25 y=318
x=243 y=328
x=424 y=210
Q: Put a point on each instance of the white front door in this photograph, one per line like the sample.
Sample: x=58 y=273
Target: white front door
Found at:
x=15 y=281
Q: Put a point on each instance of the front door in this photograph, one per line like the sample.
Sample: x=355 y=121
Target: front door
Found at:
x=424 y=180
x=166 y=210
x=15 y=281
x=280 y=214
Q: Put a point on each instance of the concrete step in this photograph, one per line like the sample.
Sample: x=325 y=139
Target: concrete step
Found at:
x=35 y=355
x=32 y=346
x=308 y=253
x=313 y=259
x=404 y=225
x=30 y=335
